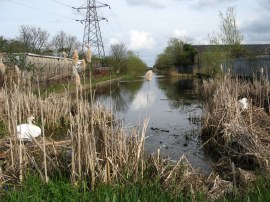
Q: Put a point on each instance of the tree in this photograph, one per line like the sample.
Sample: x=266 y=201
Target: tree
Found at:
x=225 y=44
x=34 y=38
x=177 y=53
x=135 y=66
x=229 y=32
x=63 y=42
x=118 y=54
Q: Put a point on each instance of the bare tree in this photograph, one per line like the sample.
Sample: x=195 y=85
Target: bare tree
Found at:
x=63 y=42
x=118 y=53
x=34 y=38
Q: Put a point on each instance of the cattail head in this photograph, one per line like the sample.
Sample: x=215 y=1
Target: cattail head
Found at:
x=17 y=74
x=2 y=68
x=148 y=75
x=83 y=65
x=65 y=56
x=17 y=70
x=75 y=57
x=77 y=79
x=261 y=71
x=88 y=55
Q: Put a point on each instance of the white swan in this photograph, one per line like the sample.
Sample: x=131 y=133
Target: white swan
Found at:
x=243 y=104
x=28 y=131
x=148 y=75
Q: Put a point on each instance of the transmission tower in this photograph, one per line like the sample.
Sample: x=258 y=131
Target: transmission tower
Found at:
x=92 y=34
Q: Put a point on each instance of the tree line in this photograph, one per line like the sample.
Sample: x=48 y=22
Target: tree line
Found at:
x=33 y=39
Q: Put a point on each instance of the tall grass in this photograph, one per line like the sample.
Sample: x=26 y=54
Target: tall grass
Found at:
x=95 y=152
x=93 y=149
x=233 y=135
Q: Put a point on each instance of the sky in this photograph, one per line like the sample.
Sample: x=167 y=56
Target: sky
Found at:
x=144 y=26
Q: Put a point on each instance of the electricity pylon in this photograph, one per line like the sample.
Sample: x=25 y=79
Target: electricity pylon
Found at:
x=92 y=34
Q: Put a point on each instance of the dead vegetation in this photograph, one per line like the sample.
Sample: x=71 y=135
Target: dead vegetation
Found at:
x=233 y=136
x=93 y=146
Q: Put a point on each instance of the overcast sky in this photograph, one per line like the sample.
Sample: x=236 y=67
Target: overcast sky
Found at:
x=145 y=26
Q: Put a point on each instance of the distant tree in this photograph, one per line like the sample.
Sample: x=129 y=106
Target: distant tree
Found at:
x=135 y=66
x=63 y=42
x=3 y=43
x=34 y=38
x=177 y=53
x=11 y=45
x=118 y=54
x=163 y=62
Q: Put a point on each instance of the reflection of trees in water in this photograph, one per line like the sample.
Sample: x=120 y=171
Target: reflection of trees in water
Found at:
x=179 y=91
x=122 y=94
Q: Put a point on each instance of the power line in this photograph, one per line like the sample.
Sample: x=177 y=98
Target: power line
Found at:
x=62 y=4
x=41 y=10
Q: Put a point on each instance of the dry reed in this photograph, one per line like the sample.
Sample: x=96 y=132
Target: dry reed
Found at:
x=94 y=148
x=75 y=58
x=102 y=156
x=232 y=134
x=88 y=55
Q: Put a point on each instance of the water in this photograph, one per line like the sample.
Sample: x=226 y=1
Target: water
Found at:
x=174 y=112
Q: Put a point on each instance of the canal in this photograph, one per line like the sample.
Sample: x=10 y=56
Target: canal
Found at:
x=175 y=114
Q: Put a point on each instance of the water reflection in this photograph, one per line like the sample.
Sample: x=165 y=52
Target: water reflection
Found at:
x=172 y=109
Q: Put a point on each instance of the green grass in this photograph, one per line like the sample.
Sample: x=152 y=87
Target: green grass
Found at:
x=33 y=189
x=260 y=192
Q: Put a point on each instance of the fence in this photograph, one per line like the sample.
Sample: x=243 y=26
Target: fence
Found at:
x=48 y=67
x=256 y=67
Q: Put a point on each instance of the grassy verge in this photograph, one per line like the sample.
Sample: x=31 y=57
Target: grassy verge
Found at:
x=33 y=189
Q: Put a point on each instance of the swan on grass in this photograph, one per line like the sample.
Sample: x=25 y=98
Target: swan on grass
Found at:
x=28 y=131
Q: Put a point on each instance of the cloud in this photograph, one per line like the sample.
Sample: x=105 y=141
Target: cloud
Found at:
x=257 y=30
x=199 y=4
x=141 y=100
x=264 y=4
x=140 y=40
x=113 y=41
x=147 y=3
x=180 y=33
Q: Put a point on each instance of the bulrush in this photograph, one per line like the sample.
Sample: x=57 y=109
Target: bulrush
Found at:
x=83 y=65
x=75 y=58
x=88 y=54
x=17 y=74
x=65 y=56
x=2 y=68
x=148 y=75
x=77 y=79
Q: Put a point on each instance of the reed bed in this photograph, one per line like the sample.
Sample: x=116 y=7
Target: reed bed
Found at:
x=233 y=136
x=84 y=141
